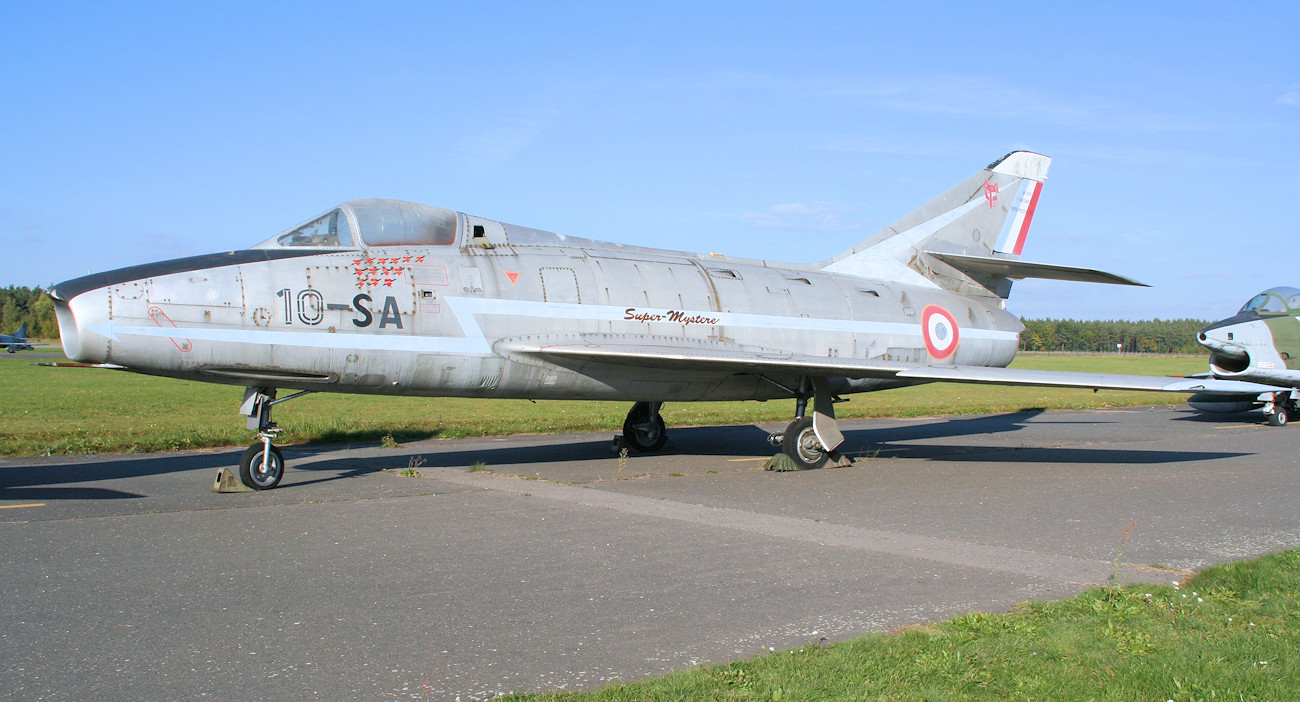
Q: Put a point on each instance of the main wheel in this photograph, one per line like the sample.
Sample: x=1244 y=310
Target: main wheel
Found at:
x=1278 y=417
x=253 y=474
x=644 y=431
x=802 y=445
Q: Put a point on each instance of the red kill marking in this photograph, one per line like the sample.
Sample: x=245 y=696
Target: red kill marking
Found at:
x=388 y=282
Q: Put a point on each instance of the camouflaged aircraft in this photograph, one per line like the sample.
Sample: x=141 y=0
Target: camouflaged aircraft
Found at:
x=17 y=341
x=1261 y=343
x=389 y=297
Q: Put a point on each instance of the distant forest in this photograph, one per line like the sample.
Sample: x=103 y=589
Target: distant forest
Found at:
x=31 y=305
x=1150 y=336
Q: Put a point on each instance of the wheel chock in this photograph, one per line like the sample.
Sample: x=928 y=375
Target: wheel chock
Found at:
x=838 y=460
x=780 y=463
x=228 y=481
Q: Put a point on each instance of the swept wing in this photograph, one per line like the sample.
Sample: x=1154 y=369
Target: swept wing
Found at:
x=724 y=360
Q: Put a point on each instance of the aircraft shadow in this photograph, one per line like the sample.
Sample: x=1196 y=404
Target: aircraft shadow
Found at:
x=750 y=440
x=1251 y=417
x=34 y=483
x=18 y=482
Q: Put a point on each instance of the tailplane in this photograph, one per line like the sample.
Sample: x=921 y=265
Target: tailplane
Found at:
x=969 y=238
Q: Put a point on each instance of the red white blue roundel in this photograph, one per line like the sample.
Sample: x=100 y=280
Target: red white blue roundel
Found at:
x=940 y=331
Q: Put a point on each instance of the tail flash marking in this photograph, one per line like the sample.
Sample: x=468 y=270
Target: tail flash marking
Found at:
x=1012 y=238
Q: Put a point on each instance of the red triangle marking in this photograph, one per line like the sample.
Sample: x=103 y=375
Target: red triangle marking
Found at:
x=513 y=276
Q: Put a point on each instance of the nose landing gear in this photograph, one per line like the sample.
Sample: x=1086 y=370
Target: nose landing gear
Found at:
x=262 y=465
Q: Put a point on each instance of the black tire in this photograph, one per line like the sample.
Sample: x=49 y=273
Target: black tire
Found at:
x=644 y=432
x=250 y=468
x=1277 y=417
x=802 y=445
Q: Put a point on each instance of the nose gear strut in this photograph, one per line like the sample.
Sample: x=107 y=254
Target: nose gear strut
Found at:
x=262 y=465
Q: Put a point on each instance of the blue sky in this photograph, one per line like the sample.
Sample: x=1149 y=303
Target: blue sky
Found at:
x=787 y=131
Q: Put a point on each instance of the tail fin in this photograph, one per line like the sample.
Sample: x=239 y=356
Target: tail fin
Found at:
x=973 y=232
x=21 y=334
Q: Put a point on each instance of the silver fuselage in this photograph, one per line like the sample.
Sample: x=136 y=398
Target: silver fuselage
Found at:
x=443 y=320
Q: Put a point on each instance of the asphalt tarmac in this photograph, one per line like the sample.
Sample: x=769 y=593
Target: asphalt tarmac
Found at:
x=563 y=566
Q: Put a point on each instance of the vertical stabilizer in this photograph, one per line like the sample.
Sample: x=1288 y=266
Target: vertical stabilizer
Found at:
x=986 y=215
x=21 y=334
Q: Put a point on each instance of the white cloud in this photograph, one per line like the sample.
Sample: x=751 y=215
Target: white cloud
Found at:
x=498 y=143
x=798 y=215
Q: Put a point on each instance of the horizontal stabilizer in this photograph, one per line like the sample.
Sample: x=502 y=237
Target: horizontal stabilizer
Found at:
x=1018 y=270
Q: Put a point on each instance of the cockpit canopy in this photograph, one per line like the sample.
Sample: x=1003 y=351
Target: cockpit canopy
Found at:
x=373 y=222
x=1273 y=301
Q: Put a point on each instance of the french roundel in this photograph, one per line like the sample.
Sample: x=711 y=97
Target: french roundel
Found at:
x=940 y=332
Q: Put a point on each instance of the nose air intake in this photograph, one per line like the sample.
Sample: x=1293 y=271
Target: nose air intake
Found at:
x=69 y=335
x=75 y=316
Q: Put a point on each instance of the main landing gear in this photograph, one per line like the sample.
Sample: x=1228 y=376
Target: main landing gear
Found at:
x=644 y=430
x=262 y=465
x=810 y=442
x=1281 y=407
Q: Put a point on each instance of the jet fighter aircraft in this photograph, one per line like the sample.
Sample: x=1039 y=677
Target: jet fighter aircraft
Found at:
x=387 y=297
x=17 y=341
x=1261 y=343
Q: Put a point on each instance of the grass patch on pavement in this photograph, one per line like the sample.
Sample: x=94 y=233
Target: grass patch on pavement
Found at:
x=1230 y=633
x=60 y=411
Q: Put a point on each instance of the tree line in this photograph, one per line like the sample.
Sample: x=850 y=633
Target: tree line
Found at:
x=33 y=306
x=29 y=305
x=1111 y=336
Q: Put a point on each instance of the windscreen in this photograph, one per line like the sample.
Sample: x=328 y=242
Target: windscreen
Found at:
x=329 y=229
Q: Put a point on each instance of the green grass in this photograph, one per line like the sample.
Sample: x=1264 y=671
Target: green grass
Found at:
x=57 y=411
x=1231 y=633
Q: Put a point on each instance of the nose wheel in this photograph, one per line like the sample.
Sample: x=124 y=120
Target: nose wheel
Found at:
x=262 y=465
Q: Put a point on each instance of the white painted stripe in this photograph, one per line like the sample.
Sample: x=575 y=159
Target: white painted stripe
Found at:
x=475 y=342
x=1013 y=231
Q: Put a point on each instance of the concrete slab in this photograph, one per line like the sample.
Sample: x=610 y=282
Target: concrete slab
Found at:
x=564 y=565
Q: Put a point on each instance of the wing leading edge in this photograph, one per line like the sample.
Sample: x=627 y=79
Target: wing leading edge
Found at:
x=726 y=360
